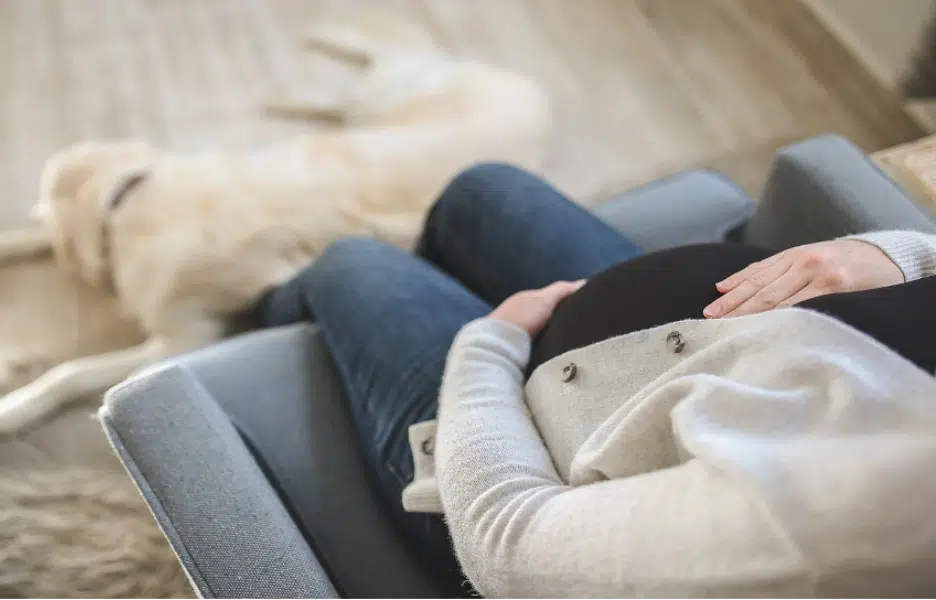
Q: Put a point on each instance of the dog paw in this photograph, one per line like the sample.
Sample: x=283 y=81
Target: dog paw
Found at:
x=23 y=405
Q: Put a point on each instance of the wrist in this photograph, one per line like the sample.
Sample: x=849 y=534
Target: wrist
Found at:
x=905 y=249
x=504 y=328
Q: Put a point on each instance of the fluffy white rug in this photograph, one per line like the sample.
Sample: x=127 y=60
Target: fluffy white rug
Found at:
x=73 y=532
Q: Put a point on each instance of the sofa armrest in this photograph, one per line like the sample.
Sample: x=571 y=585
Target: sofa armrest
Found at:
x=230 y=530
x=272 y=407
x=824 y=188
x=694 y=207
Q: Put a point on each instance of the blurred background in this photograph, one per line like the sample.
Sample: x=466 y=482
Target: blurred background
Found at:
x=641 y=88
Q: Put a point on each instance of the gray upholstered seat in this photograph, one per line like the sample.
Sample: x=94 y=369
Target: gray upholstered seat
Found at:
x=247 y=454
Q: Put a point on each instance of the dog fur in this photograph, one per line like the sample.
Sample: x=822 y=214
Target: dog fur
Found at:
x=200 y=237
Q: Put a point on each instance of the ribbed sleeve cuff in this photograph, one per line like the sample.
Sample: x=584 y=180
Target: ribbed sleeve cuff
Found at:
x=912 y=251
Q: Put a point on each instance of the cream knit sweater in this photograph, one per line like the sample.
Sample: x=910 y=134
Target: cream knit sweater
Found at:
x=778 y=454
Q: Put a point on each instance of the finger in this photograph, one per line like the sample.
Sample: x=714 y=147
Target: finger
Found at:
x=746 y=290
x=562 y=287
x=726 y=285
x=559 y=291
x=569 y=288
x=773 y=294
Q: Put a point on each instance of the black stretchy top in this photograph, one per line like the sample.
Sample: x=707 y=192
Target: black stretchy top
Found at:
x=673 y=285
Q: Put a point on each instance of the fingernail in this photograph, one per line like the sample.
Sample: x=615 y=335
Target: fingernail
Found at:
x=711 y=312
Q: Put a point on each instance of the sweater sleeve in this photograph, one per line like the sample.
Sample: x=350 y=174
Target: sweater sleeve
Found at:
x=520 y=531
x=914 y=252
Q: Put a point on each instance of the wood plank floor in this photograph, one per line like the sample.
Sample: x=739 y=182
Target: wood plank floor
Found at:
x=642 y=88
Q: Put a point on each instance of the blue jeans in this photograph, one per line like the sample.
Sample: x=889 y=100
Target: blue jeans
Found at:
x=389 y=317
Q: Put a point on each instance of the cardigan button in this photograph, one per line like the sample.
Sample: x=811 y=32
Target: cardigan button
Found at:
x=427 y=446
x=676 y=341
x=568 y=372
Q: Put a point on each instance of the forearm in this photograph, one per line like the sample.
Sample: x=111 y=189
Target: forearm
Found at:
x=482 y=413
x=488 y=450
x=914 y=252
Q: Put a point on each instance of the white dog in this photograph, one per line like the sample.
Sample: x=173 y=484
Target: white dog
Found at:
x=187 y=241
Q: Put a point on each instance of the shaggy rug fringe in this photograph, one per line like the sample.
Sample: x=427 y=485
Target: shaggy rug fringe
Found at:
x=72 y=532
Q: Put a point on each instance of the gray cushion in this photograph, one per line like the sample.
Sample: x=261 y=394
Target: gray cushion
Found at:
x=277 y=391
x=688 y=208
x=825 y=188
x=231 y=533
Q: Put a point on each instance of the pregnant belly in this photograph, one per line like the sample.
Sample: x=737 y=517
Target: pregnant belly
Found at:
x=648 y=291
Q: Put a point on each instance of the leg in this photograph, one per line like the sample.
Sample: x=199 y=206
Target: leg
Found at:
x=77 y=378
x=362 y=40
x=24 y=244
x=500 y=230
x=388 y=318
x=70 y=381
x=364 y=37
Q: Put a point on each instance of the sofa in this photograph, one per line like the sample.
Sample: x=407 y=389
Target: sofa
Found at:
x=246 y=453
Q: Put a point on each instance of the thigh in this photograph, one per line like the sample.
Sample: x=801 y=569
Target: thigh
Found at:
x=500 y=230
x=388 y=319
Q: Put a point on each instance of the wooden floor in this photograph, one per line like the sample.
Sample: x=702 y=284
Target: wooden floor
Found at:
x=642 y=88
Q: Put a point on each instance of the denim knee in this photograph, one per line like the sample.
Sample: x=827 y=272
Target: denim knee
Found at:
x=485 y=175
x=348 y=254
x=474 y=183
x=351 y=248
x=475 y=191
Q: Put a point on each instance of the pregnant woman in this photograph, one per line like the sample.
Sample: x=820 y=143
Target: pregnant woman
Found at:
x=707 y=420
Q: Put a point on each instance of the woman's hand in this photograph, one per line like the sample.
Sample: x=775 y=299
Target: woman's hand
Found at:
x=804 y=272
x=531 y=309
